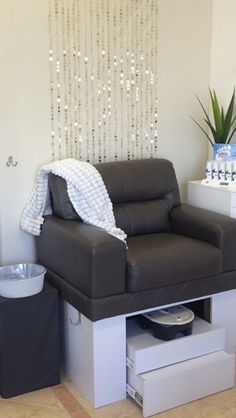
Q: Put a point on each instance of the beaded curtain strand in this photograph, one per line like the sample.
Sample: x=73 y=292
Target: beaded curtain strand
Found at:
x=103 y=62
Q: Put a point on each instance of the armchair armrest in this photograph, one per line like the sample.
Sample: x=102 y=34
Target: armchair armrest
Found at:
x=87 y=257
x=215 y=228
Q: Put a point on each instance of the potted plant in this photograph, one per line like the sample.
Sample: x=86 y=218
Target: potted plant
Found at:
x=221 y=130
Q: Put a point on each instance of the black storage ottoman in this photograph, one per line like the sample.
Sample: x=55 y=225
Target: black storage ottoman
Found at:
x=29 y=343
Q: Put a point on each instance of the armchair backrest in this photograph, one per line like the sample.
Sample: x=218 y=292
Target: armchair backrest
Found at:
x=142 y=192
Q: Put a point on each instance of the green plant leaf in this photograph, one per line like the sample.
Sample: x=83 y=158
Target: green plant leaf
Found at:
x=223 y=126
x=229 y=119
x=205 y=112
x=216 y=112
x=230 y=137
x=198 y=124
x=213 y=131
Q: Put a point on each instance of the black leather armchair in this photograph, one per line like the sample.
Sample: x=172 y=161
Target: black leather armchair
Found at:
x=175 y=252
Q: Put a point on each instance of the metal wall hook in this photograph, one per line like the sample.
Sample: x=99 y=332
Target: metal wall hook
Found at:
x=10 y=162
x=78 y=322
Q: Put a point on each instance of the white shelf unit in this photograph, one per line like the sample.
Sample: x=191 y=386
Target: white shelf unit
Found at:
x=95 y=352
x=218 y=199
x=165 y=374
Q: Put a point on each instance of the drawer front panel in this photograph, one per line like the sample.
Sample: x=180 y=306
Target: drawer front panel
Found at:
x=180 y=383
x=144 y=352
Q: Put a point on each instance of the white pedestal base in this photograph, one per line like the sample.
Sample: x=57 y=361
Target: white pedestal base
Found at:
x=223 y=308
x=95 y=356
x=95 y=352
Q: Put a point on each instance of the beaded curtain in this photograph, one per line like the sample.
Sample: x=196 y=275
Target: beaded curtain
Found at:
x=103 y=79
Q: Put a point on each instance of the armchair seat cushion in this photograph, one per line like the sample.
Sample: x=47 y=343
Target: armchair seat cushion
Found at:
x=163 y=259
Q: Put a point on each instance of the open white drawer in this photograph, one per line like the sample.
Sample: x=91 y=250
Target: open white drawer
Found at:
x=145 y=352
x=170 y=386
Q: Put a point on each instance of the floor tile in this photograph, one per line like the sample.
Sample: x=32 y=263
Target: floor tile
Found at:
x=38 y=397
x=122 y=409
x=10 y=409
x=66 y=401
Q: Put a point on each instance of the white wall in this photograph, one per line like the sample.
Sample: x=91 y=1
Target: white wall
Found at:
x=24 y=115
x=223 y=59
x=184 y=68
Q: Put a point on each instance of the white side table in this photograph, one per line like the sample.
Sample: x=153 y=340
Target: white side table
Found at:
x=217 y=199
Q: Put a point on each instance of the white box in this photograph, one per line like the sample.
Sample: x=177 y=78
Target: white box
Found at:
x=168 y=387
x=145 y=352
x=210 y=197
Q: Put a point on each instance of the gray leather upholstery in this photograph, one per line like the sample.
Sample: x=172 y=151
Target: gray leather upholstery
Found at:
x=85 y=256
x=174 y=251
x=140 y=180
x=154 y=260
x=142 y=193
x=96 y=309
x=208 y=226
x=61 y=203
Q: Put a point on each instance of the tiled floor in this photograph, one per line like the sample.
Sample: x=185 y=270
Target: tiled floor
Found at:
x=65 y=401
